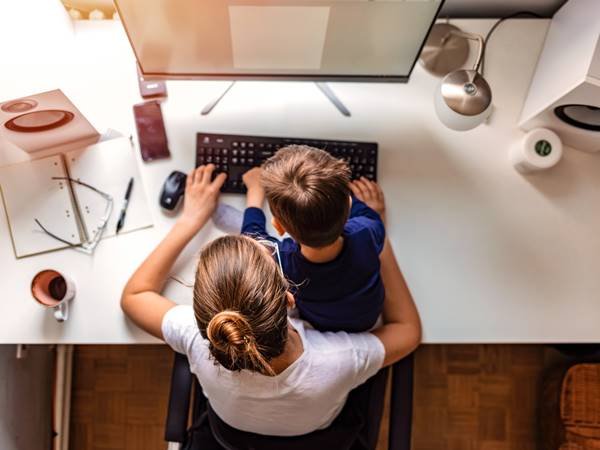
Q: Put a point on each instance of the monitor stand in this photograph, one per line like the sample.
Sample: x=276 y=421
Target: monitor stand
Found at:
x=323 y=87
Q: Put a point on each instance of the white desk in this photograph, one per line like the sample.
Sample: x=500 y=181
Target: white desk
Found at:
x=490 y=256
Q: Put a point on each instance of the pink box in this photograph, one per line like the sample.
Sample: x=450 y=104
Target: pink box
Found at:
x=45 y=121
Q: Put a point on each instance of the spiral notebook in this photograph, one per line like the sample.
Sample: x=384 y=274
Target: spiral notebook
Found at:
x=69 y=210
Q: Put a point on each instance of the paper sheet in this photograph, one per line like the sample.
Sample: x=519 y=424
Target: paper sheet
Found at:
x=108 y=166
x=29 y=193
x=228 y=219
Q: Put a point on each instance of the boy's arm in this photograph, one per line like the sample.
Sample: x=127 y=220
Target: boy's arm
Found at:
x=360 y=209
x=368 y=208
x=255 y=222
x=371 y=199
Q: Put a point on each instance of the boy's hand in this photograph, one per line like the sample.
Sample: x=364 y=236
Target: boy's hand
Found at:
x=256 y=194
x=369 y=192
x=201 y=197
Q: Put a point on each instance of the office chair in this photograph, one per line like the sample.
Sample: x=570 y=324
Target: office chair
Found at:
x=350 y=430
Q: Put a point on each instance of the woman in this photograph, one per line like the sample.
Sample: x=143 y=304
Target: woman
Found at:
x=260 y=370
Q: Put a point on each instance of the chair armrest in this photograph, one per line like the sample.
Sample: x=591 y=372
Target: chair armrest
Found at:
x=401 y=402
x=179 y=400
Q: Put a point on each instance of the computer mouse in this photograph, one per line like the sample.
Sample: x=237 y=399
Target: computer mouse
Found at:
x=172 y=190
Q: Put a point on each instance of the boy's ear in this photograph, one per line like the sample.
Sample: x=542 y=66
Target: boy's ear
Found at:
x=291 y=301
x=278 y=227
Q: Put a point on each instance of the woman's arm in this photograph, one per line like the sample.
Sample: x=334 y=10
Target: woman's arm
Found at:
x=401 y=332
x=141 y=299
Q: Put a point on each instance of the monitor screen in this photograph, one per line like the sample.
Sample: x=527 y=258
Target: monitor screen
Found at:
x=271 y=39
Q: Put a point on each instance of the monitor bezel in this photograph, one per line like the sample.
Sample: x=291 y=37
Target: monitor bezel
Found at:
x=280 y=77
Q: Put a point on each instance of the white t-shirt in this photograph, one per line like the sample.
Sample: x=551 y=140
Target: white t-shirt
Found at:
x=306 y=396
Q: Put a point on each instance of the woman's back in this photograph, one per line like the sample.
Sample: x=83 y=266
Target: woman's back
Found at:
x=305 y=397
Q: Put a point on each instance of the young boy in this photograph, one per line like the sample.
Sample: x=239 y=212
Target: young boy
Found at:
x=333 y=256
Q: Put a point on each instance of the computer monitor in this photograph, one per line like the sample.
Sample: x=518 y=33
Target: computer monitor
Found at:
x=318 y=40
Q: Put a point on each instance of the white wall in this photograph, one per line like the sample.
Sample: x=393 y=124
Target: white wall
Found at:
x=498 y=8
x=25 y=398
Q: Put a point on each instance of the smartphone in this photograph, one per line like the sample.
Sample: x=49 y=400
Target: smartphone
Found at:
x=151 y=131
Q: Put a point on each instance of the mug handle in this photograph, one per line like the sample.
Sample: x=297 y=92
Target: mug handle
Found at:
x=61 y=311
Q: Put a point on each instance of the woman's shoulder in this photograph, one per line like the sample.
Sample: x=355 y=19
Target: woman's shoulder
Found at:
x=180 y=330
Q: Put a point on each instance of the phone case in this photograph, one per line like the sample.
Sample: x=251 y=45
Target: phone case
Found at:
x=151 y=131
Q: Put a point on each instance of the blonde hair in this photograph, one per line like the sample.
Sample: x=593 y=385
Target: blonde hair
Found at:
x=307 y=190
x=240 y=304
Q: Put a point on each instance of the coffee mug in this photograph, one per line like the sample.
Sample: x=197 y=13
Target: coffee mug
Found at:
x=54 y=290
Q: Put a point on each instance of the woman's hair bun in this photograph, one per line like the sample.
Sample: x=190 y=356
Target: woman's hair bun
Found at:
x=231 y=336
x=228 y=330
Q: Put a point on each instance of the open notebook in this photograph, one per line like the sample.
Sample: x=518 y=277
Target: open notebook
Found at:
x=69 y=210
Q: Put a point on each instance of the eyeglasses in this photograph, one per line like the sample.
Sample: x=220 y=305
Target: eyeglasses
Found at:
x=90 y=243
x=271 y=246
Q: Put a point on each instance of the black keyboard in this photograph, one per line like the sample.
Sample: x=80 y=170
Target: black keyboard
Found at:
x=234 y=154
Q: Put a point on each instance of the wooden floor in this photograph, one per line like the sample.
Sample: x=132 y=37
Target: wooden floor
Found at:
x=467 y=397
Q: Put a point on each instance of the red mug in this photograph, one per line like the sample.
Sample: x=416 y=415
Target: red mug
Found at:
x=53 y=289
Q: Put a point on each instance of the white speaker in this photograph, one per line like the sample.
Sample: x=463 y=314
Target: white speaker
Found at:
x=46 y=121
x=564 y=95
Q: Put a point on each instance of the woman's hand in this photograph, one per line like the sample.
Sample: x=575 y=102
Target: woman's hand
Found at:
x=201 y=197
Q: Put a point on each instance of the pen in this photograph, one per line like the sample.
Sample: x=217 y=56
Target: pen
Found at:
x=121 y=221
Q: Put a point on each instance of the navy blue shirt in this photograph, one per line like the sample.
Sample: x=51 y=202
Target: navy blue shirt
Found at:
x=345 y=293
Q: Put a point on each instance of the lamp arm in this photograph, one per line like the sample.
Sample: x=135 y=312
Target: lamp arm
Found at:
x=472 y=37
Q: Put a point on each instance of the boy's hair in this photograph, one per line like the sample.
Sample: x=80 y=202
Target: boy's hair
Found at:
x=308 y=190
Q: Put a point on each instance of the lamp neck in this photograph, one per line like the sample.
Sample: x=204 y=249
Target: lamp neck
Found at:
x=472 y=37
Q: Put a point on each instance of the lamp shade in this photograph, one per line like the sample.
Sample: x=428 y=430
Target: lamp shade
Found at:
x=463 y=100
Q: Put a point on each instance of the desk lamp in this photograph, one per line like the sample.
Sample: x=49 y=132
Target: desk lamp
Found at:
x=463 y=99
